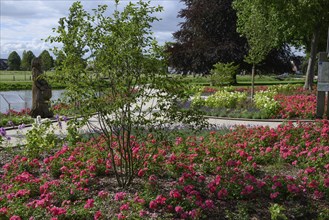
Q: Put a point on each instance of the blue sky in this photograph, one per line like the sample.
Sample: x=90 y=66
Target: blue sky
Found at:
x=24 y=23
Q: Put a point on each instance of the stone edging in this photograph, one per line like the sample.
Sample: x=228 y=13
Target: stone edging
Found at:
x=30 y=125
x=259 y=120
x=207 y=117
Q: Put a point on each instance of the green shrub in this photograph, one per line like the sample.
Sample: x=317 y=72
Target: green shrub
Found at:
x=197 y=100
x=224 y=74
x=225 y=99
x=40 y=139
x=265 y=102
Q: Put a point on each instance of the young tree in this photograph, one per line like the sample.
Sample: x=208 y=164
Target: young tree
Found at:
x=47 y=60
x=14 y=61
x=129 y=88
x=27 y=58
x=252 y=23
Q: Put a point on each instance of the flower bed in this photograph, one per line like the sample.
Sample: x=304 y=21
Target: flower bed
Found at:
x=245 y=172
x=274 y=102
x=15 y=118
x=296 y=106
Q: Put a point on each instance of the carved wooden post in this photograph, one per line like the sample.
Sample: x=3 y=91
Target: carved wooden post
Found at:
x=41 y=92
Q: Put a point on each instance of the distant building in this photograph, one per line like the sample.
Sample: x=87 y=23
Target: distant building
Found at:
x=3 y=64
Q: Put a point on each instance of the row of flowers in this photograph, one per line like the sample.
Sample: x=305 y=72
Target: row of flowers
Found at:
x=189 y=178
x=281 y=101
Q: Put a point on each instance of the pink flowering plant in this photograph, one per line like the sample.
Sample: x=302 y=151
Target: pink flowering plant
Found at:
x=187 y=177
x=296 y=106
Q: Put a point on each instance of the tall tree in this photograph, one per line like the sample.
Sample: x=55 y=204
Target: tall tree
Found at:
x=300 y=23
x=14 y=61
x=207 y=36
x=27 y=59
x=47 y=60
x=311 y=27
x=278 y=61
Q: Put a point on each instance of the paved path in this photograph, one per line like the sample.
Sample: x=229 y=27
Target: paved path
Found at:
x=17 y=136
x=233 y=122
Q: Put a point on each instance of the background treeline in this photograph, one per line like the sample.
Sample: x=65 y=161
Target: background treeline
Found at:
x=15 y=62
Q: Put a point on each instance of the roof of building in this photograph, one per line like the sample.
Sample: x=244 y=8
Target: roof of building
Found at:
x=3 y=64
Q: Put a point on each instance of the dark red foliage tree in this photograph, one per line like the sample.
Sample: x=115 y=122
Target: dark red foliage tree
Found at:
x=207 y=36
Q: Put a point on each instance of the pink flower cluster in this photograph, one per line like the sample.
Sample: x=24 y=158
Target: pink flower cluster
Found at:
x=296 y=106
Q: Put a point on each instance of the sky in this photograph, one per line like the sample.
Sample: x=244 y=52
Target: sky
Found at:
x=23 y=24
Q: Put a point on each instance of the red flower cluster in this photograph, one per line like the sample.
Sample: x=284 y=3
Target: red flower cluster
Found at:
x=18 y=113
x=296 y=106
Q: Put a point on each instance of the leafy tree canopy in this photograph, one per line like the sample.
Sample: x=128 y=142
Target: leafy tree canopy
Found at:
x=14 y=61
x=47 y=60
x=208 y=36
x=27 y=59
x=127 y=87
x=296 y=22
x=252 y=23
x=59 y=59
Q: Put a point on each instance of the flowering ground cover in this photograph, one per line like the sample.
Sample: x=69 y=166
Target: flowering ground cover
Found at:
x=296 y=106
x=14 y=118
x=243 y=173
x=270 y=102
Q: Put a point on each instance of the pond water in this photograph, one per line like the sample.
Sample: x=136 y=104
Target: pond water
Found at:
x=21 y=99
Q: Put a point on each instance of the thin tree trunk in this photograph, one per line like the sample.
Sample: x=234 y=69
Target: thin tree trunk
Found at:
x=253 y=81
x=328 y=43
x=234 y=79
x=311 y=62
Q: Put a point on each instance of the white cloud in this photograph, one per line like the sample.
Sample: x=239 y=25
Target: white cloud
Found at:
x=34 y=45
x=24 y=23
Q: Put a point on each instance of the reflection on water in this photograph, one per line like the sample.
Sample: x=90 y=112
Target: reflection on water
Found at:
x=21 y=99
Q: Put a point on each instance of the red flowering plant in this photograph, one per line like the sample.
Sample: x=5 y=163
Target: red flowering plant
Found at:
x=22 y=112
x=296 y=106
x=190 y=177
x=61 y=108
x=15 y=118
x=247 y=89
x=209 y=90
